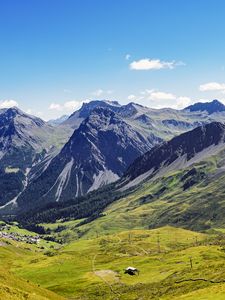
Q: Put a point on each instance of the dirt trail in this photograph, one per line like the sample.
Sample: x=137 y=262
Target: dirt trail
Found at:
x=100 y=274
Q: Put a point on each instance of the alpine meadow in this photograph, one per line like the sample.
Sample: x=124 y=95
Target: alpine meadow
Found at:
x=112 y=150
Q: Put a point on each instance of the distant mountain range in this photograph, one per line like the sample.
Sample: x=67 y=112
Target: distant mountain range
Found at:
x=95 y=146
x=58 y=121
x=210 y=107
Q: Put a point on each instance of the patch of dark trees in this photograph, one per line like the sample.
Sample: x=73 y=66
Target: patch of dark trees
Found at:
x=88 y=207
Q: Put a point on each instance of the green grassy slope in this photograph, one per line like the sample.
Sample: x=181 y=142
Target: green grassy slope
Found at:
x=174 y=263
x=94 y=268
x=192 y=198
x=12 y=287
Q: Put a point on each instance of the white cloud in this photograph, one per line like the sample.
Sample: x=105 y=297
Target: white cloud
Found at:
x=55 y=106
x=127 y=56
x=135 y=98
x=72 y=105
x=131 y=97
x=160 y=99
x=153 y=64
x=161 y=96
x=8 y=103
x=68 y=106
x=212 y=86
x=183 y=102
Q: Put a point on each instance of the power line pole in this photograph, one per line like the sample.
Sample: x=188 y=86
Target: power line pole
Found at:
x=158 y=243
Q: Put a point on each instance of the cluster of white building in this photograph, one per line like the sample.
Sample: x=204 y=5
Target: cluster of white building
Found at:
x=17 y=236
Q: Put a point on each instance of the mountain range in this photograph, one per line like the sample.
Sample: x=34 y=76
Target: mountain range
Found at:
x=99 y=144
x=97 y=153
x=24 y=142
x=178 y=182
x=210 y=107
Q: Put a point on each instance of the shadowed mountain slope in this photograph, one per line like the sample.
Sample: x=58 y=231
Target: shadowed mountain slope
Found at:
x=98 y=152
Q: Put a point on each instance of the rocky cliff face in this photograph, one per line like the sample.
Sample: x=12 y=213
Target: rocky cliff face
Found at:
x=177 y=153
x=98 y=152
x=24 y=141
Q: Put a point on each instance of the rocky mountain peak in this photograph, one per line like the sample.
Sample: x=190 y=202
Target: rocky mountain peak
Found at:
x=210 y=107
x=86 y=108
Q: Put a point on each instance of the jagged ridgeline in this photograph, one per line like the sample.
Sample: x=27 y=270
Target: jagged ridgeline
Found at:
x=179 y=182
x=24 y=141
x=91 y=148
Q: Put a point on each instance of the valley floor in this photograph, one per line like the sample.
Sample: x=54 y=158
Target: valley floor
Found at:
x=174 y=263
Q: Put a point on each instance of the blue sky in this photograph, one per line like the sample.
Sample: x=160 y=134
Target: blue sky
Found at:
x=54 y=54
